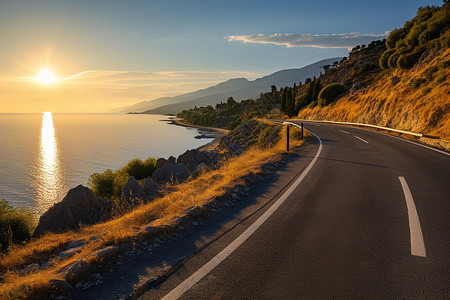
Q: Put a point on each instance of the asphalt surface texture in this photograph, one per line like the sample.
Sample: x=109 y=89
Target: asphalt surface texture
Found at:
x=345 y=231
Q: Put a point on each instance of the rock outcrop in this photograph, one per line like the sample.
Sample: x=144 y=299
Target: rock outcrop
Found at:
x=149 y=189
x=355 y=87
x=79 y=206
x=131 y=191
x=192 y=158
x=173 y=174
x=248 y=134
x=162 y=162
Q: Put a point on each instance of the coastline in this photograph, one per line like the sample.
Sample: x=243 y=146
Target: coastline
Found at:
x=216 y=132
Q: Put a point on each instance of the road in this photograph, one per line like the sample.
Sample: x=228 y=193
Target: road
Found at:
x=369 y=218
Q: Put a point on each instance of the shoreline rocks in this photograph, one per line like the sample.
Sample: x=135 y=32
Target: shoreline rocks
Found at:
x=79 y=206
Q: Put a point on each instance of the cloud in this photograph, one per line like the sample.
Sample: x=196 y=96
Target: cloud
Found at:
x=341 y=40
x=111 y=76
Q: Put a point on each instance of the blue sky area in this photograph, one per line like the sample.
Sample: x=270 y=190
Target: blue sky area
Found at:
x=239 y=38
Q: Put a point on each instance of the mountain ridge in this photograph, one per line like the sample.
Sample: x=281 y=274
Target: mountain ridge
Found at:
x=238 y=88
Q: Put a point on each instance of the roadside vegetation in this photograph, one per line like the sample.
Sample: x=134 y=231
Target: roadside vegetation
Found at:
x=426 y=31
x=109 y=184
x=16 y=225
x=411 y=90
x=130 y=226
x=231 y=114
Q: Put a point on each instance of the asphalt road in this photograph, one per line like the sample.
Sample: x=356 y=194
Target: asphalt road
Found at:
x=369 y=218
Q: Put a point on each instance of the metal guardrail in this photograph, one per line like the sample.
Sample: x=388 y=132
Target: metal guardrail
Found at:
x=358 y=124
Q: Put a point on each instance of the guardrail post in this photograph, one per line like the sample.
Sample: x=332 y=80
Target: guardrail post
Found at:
x=287 y=137
x=302 y=131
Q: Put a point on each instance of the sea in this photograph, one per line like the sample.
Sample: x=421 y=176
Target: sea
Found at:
x=44 y=155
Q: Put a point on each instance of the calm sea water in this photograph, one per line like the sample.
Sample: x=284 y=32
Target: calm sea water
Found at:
x=42 y=156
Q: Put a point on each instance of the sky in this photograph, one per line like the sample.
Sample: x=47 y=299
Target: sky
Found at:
x=111 y=54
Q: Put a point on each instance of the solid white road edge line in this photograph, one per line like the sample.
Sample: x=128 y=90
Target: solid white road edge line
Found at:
x=361 y=139
x=417 y=244
x=344 y=131
x=214 y=262
x=414 y=143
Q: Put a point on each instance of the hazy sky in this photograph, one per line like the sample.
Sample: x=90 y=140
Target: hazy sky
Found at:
x=115 y=53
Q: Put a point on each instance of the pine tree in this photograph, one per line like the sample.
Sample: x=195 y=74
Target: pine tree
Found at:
x=317 y=86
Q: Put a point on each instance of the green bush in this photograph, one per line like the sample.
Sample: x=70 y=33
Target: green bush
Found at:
x=394 y=36
x=16 y=225
x=407 y=61
x=140 y=169
x=428 y=29
x=392 y=61
x=330 y=92
x=108 y=184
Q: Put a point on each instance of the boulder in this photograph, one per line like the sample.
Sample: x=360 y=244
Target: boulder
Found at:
x=69 y=252
x=200 y=169
x=60 y=286
x=356 y=86
x=149 y=189
x=174 y=174
x=77 y=243
x=79 y=206
x=78 y=270
x=108 y=252
x=192 y=158
x=131 y=190
x=162 y=162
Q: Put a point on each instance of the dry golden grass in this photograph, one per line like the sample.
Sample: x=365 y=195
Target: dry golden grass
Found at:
x=161 y=211
x=424 y=109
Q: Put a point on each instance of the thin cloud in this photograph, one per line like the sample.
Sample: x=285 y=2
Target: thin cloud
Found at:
x=105 y=75
x=341 y=40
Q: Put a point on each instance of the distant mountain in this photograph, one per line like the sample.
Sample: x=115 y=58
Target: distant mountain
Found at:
x=238 y=88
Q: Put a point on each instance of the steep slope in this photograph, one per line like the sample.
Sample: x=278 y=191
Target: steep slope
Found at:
x=239 y=89
x=413 y=91
x=416 y=100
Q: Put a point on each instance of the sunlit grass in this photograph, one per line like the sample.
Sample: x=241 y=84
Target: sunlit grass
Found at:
x=404 y=106
x=161 y=211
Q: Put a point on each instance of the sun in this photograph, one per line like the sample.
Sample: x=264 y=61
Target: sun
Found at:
x=46 y=76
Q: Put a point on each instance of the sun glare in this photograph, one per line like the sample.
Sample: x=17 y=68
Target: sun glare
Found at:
x=46 y=77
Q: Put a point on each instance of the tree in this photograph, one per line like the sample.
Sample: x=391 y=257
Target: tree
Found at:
x=329 y=93
x=273 y=89
x=230 y=102
x=317 y=87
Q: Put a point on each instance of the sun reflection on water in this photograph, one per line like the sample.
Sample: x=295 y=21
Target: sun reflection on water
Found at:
x=47 y=171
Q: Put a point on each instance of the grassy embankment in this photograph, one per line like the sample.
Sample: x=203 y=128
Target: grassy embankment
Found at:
x=127 y=228
x=418 y=102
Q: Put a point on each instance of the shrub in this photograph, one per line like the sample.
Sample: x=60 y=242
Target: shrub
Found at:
x=329 y=93
x=108 y=184
x=16 y=225
x=140 y=169
x=392 y=61
x=428 y=29
x=300 y=102
x=395 y=36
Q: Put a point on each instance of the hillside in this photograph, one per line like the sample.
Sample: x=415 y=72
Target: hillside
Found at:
x=412 y=92
x=238 y=88
x=416 y=100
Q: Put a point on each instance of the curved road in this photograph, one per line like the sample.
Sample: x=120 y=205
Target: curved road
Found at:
x=369 y=219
